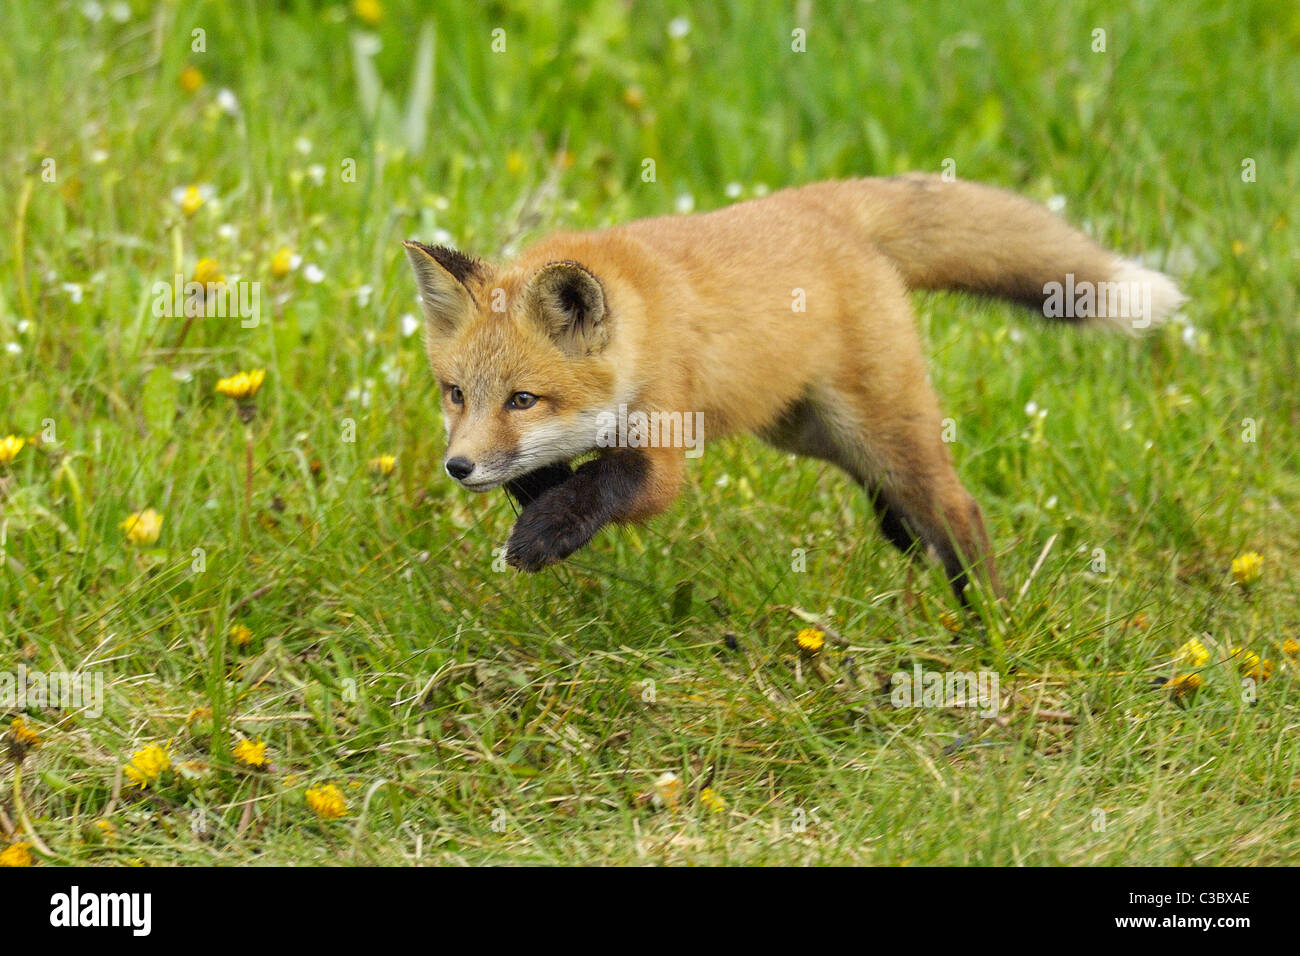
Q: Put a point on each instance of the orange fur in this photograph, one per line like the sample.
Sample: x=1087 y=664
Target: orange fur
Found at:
x=698 y=314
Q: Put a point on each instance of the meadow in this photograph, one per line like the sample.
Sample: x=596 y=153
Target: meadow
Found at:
x=310 y=652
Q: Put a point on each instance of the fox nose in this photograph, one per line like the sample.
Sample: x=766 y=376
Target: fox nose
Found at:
x=459 y=468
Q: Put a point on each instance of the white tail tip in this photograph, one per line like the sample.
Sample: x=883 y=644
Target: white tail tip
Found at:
x=1153 y=297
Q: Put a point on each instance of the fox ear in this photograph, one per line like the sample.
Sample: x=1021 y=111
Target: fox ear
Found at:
x=441 y=274
x=569 y=302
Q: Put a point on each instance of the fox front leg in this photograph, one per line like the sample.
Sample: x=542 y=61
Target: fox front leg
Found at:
x=528 y=488
x=566 y=515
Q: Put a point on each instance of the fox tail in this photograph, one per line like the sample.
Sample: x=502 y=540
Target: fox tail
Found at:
x=963 y=236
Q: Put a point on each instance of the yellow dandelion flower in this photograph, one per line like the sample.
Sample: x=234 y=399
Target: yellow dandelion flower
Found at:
x=283 y=262
x=712 y=801
x=1247 y=568
x=634 y=97
x=668 y=790
x=291 y=780
x=1193 y=653
x=1185 y=685
x=1250 y=664
x=383 y=466
x=951 y=621
x=197 y=714
x=369 y=12
x=10 y=446
x=99 y=833
x=242 y=386
x=811 y=640
x=514 y=162
x=17 y=854
x=192 y=200
x=1291 y=647
x=191 y=78
x=147 y=765
x=241 y=635
x=327 y=801
x=143 y=527
x=24 y=734
x=251 y=752
x=20 y=739
x=208 y=272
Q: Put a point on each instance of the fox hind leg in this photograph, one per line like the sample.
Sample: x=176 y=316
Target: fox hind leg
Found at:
x=902 y=463
x=806 y=429
x=919 y=494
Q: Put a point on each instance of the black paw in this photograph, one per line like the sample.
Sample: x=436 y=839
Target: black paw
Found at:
x=546 y=533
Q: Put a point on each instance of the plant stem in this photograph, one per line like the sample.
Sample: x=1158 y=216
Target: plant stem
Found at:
x=248 y=478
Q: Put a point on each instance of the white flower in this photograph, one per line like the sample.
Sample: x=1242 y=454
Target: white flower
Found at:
x=228 y=102
x=316 y=173
x=363 y=296
x=678 y=27
x=227 y=231
x=734 y=190
x=409 y=325
x=1056 y=204
x=442 y=237
x=1189 y=336
x=684 y=203
x=92 y=11
x=392 y=371
x=99 y=156
x=73 y=290
x=22 y=326
x=13 y=348
x=302 y=144
x=313 y=273
x=1031 y=408
x=121 y=12
x=361 y=393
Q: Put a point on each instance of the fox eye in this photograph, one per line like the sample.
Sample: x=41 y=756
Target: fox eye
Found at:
x=522 y=400
x=456 y=395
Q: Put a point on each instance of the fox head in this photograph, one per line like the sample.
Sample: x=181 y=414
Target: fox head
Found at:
x=519 y=355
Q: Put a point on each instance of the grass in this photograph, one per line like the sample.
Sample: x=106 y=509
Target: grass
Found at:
x=469 y=714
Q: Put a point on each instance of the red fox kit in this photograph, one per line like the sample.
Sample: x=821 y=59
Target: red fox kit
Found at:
x=786 y=316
